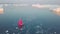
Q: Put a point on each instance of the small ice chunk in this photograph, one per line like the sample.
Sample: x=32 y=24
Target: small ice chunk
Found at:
x=38 y=32
x=16 y=27
x=54 y=32
x=18 y=33
x=38 y=26
x=6 y=31
x=13 y=33
x=21 y=29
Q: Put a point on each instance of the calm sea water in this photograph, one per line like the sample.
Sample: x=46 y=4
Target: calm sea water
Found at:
x=36 y=21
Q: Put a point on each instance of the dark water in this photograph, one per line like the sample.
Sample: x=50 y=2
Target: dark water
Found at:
x=36 y=21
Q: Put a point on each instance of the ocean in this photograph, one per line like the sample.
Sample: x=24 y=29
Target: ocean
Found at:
x=36 y=20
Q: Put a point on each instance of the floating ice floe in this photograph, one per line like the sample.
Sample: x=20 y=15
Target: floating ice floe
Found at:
x=27 y=32
x=21 y=29
x=13 y=33
x=54 y=32
x=16 y=27
x=18 y=33
x=38 y=32
x=38 y=26
x=6 y=31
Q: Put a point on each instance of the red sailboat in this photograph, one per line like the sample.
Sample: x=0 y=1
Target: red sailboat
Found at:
x=20 y=24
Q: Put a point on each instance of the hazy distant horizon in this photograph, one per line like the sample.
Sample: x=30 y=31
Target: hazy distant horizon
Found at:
x=32 y=1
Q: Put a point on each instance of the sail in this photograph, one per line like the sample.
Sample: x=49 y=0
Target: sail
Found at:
x=20 y=23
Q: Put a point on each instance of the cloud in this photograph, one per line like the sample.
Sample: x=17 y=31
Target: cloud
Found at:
x=20 y=4
x=45 y=6
x=31 y=1
x=1 y=5
x=40 y=6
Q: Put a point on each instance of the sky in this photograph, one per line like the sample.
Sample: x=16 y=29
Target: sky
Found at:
x=41 y=3
x=32 y=1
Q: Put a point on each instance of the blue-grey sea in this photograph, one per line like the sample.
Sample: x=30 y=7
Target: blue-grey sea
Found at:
x=36 y=21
